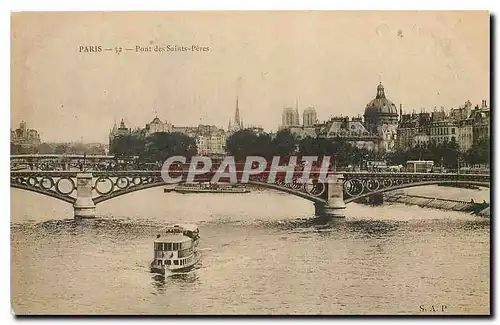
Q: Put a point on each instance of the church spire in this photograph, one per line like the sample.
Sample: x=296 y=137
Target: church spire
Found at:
x=237 y=114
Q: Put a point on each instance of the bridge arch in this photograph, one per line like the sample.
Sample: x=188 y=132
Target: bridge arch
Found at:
x=407 y=185
x=276 y=187
x=52 y=194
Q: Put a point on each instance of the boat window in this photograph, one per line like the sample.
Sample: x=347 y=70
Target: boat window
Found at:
x=160 y=262
x=168 y=262
x=176 y=262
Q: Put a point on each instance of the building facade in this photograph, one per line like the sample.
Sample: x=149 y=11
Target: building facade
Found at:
x=351 y=130
x=413 y=129
x=290 y=121
x=465 y=134
x=25 y=137
x=381 y=119
x=289 y=118
x=309 y=116
x=481 y=122
x=463 y=125
x=378 y=131
x=157 y=125
x=210 y=140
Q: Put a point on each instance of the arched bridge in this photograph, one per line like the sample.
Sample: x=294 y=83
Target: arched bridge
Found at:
x=85 y=190
x=363 y=184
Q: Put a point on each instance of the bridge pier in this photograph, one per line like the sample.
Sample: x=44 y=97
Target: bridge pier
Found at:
x=84 y=206
x=335 y=206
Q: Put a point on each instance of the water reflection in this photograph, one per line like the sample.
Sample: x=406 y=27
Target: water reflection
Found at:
x=480 y=224
x=372 y=228
x=178 y=279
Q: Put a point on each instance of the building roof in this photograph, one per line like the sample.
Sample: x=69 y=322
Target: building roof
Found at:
x=172 y=238
x=380 y=105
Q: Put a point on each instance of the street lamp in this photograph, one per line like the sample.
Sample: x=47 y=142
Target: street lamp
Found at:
x=84 y=165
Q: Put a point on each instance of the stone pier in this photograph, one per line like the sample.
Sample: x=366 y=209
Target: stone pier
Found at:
x=84 y=206
x=335 y=205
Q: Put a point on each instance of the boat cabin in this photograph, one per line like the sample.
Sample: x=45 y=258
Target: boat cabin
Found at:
x=174 y=246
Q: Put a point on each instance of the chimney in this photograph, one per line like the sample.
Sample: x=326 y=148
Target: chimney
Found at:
x=483 y=105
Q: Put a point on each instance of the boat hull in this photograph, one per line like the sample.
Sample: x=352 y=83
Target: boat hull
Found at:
x=175 y=268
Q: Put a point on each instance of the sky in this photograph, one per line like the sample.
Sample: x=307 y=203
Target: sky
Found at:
x=270 y=60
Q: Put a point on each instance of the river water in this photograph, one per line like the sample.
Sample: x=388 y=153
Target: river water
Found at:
x=262 y=254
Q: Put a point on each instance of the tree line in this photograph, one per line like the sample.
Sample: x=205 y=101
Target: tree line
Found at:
x=247 y=143
x=154 y=148
x=159 y=146
x=446 y=154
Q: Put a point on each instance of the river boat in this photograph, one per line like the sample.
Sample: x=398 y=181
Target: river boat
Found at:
x=176 y=249
x=207 y=187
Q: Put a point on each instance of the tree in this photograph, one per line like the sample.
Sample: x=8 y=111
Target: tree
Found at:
x=446 y=152
x=284 y=143
x=61 y=149
x=398 y=158
x=340 y=151
x=127 y=145
x=161 y=145
x=45 y=148
x=15 y=149
x=479 y=153
x=245 y=143
x=449 y=153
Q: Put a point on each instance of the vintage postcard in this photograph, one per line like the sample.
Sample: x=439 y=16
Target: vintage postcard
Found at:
x=243 y=163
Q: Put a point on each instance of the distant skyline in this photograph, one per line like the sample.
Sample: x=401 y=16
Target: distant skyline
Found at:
x=330 y=60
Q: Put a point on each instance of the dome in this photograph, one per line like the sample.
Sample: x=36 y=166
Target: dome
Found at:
x=156 y=120
x=380 y=105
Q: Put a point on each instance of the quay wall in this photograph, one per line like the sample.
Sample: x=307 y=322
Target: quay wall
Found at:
x=479 y=208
